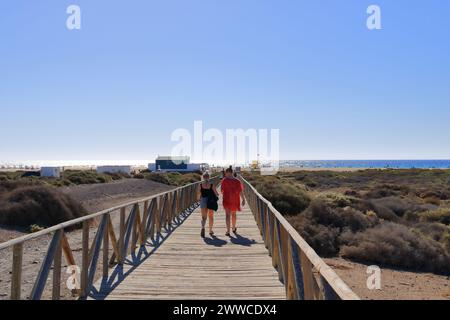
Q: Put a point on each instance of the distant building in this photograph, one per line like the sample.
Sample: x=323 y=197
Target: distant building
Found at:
x=175 y=164
x=114 y=169
x=51 y=172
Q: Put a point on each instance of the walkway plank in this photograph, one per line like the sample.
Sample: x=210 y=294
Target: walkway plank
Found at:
x=187 y=267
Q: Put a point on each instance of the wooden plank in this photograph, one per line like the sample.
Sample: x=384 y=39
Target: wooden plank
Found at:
x=42 y=277
x=298 y=275
x=308 y=277
x=57 y=261
x=122 y=235
x=136 y=228
x=115 y=243
x=150 y=227
x=16 y=277
x=143 y=229
x=105 y=261
x=129 y=229
x=68 y=254
x=84 y=260
x=291 y=290
x=96 y=250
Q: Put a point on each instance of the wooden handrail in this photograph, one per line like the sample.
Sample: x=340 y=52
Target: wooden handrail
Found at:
x=76 y=221
x=293 y=257
x=147 y=218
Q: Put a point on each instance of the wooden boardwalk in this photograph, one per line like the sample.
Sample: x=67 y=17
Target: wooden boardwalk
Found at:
x=185 y=266
x=169 y=259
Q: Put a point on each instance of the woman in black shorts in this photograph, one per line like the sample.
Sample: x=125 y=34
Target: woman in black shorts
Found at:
x=206 y=191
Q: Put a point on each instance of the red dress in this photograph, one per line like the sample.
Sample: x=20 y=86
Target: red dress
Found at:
x=231 y=189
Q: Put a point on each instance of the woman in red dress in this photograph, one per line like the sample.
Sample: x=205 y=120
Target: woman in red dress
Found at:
x=232 y=190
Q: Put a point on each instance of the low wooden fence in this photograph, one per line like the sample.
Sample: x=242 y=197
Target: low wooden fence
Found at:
x=146 y=219
x=305 y=275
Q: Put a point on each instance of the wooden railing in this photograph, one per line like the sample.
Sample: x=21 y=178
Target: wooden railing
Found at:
x=304 y=274
x=146 y=219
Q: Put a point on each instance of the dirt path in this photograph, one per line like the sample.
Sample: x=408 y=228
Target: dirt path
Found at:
x=94 y=198
x=395 y=284
x=97 y=197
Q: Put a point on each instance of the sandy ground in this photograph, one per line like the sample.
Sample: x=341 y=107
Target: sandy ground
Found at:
x=94 y=198
x=395 y=284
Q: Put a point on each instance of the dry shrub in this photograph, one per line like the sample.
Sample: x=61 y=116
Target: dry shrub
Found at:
x=323 y=239
x=387 y=190
x=380 y=210
x=289 y=199
x=118 y=175
x=322 y=223
x=436 y=231
x=86 y=177
x=395 y=245
x=352 y=193
x=435 y=194
x=173 y=178
x=441 y=215
x=37 y=205
x=325 y=213
x=432 y=200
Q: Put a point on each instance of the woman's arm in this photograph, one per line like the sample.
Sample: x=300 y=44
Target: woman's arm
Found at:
x=215 y=191
x=199 y=192
x=241 y=194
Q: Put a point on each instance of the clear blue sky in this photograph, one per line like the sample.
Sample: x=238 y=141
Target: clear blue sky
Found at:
x=139 y=69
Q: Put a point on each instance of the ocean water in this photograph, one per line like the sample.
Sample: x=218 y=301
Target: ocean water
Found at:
x=363 y=164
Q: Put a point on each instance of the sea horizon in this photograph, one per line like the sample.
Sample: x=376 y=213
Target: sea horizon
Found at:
x=338 y=163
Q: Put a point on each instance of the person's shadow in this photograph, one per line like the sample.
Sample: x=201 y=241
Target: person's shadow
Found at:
x=242 y=241
x=214 y=241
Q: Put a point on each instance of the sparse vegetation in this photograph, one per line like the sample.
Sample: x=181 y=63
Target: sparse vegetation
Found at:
x=397 y=218
x=396 y=245
x=41 y=206
x=171 y=178
x=441 y=215
x=68 y=178
x=287 y=197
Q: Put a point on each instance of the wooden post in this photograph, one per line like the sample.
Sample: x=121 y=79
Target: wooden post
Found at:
x=267 y=229
x=121 y=256
x=280 y=260
x=114 y=242
x=136 y=227
x=16 y=279
x=106 y=247
x=144 y=223
x=95 y=253
x=42 y=277
x=284 y=255
x=85 y=259
x=296 y=265
x=291 y=292
x=56 y=290
x=327 y=291
x=67 y=251
x=308 y=277
x=275 y=253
